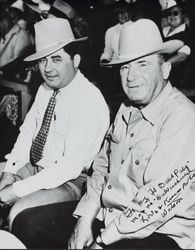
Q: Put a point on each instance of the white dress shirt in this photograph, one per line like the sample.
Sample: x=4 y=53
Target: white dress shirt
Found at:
x=80 y=121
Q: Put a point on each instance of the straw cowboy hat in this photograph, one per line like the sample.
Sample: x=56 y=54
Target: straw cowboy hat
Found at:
x=51 y=35
x=142 y=38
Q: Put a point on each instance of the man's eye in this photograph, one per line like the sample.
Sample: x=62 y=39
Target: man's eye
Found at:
x=125 y=67
x=55 y=60
x=42 y=60
x=142 y=65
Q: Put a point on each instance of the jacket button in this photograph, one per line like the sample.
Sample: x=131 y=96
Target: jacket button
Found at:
x=132 y=134
x=122 y=161
x=110 y=210
x=137 y=162
x=109 y=186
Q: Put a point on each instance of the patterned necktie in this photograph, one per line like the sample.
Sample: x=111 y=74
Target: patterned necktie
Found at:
x=36 y=152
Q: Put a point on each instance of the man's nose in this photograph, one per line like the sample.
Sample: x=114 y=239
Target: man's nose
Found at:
x=47 y=67
x=132 y=73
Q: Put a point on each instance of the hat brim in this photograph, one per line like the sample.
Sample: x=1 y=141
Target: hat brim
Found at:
x=168 y=47
x=35 y=7
x=47 y=51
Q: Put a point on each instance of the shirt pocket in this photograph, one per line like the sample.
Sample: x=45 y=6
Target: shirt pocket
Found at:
x=141 y=154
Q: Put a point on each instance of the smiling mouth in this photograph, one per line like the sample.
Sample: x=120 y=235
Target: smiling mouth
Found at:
x=133 y=87
x=50 y=77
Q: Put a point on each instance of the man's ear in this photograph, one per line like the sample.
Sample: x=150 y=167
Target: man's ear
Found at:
x=166 y=68
x=76 y=60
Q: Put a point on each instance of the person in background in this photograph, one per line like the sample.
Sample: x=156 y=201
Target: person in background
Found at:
x=15 y=40
x=178 y=28
x=112 y=34
x=141 y=192
x=63 y=130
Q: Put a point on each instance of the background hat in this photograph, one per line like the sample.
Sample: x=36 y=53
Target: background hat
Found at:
x=18 y=4
x=38 y=5
x=140 y=39
x=64 y=7
x=167 y=4
x=51 y=35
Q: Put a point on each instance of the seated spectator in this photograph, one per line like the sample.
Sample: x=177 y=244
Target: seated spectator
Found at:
x=178 y=29
x=112 y=34
x=15 y=40
x=63 y=130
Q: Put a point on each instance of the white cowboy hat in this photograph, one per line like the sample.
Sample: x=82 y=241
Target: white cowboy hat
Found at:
x=51 y=34
x=140 y=39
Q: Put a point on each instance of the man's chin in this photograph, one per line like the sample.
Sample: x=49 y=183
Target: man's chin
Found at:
x=52 y=84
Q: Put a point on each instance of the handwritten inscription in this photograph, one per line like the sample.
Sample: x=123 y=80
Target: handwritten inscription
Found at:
x=161 y=200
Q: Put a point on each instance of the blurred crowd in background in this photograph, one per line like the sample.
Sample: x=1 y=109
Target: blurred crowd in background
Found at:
x=101 y=21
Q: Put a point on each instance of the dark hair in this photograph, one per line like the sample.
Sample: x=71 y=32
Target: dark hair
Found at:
x=72 y=49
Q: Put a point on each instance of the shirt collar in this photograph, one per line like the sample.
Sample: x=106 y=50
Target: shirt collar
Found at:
x=151 y=112
x=71 y=86
x=125 y=111
x=179 y=29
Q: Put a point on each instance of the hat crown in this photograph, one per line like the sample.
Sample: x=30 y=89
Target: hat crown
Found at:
x=52 y=31
x=139 y=38
x=170 y=4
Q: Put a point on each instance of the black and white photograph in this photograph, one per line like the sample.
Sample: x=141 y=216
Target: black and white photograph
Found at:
x=97 y=123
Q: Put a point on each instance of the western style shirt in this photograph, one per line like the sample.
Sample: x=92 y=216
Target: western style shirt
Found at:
x=77 y=129
x=143 y=180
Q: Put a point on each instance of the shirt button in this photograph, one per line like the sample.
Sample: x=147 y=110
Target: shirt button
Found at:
x=132 y=134
x=137 y=162
x=110 y=210
x=122 y=161
x=109 y=186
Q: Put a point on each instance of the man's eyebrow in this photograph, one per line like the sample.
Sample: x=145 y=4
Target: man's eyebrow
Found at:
x=56 y=56
x=142 y=61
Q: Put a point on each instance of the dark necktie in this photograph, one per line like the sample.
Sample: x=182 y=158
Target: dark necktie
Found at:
x=36 y=152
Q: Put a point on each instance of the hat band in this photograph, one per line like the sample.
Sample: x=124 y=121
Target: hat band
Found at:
x=41 y=47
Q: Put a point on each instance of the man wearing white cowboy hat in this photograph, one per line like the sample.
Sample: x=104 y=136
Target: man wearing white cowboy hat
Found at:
x=141 y=193
x=63 y=130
